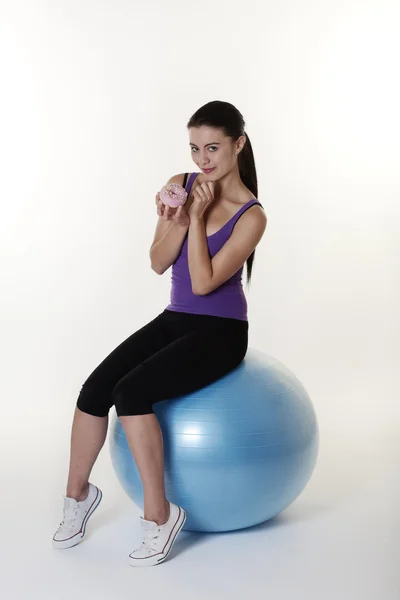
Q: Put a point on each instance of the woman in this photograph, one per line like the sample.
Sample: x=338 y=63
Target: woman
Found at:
x=201 y=336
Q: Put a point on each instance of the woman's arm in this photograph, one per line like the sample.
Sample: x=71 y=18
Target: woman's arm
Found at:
x=207 y=274
x=168 y=239
x=165 y=251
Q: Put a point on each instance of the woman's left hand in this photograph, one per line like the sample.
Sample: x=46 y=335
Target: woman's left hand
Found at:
x=203 y=196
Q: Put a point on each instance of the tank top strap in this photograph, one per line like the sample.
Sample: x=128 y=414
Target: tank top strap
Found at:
x=189 y=184
x=232 y=222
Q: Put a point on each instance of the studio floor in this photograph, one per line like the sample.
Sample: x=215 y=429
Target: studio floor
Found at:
x=337 y=541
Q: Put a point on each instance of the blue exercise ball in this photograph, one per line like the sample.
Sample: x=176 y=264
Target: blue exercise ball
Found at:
x=237 y=452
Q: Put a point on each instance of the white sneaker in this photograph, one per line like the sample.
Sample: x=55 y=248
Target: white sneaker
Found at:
x=158 y=539
x=76 y=515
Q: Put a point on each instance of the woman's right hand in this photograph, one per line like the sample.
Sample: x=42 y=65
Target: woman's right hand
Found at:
x=178 y=215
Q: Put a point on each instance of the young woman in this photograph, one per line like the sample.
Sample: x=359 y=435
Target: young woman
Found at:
x=201 y=335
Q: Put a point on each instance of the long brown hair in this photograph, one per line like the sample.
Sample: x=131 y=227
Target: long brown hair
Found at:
x=225 y=116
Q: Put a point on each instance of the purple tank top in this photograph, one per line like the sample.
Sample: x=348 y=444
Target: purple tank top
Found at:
x=228 y=300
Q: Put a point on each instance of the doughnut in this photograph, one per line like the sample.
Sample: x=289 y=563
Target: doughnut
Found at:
x=173 y=194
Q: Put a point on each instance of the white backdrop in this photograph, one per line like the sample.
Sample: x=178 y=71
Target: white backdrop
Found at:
x=95 y=97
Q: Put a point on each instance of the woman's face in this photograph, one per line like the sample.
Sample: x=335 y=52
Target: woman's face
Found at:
x=211 y=149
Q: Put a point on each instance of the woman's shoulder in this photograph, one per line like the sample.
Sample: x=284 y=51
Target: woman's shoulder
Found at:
x=179 y=178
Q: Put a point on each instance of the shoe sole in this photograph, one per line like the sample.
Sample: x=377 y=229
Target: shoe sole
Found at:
x=153 y=561
x=77 y=538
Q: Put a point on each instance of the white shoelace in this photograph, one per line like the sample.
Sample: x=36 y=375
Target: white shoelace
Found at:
x=69 y=518
x=150 y=537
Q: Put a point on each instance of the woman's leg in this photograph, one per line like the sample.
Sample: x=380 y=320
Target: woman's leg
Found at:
x=90 y=421
x=87 y=439
x=191 y=362
x=146 y=444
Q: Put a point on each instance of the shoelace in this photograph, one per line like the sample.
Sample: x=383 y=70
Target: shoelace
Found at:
x=150 y=537
x=69 y=518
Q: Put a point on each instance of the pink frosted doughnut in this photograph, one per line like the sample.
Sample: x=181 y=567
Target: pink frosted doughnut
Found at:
x=173 y=194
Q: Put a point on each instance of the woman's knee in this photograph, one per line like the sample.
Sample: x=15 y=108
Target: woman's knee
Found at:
x=94 y=400
x=133 y=394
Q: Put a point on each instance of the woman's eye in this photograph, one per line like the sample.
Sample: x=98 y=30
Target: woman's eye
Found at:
x=195 y=149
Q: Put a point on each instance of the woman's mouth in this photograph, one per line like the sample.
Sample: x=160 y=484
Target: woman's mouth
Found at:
x=208 y=170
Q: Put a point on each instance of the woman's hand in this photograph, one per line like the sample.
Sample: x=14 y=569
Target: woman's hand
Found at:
x=178 y=215
x=203 y=196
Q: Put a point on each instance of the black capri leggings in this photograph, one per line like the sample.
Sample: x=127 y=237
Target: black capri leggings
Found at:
x=175 y=354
